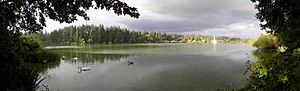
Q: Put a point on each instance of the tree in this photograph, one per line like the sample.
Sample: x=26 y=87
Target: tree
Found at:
x=281 y=17
x=280 y=71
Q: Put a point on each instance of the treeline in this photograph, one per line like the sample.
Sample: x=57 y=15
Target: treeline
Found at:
x=92 y=34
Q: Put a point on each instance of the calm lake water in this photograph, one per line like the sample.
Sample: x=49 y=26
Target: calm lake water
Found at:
x=157 y=67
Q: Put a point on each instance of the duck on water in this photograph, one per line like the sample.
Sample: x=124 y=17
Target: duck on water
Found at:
x=130 y=62
x=83 y=68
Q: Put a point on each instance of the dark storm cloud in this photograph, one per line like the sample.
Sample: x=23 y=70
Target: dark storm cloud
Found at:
x=207 y=9
x=163 y=26
x=196 y=15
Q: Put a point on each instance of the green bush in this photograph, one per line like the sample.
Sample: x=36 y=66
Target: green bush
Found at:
x=31 y=50
x=265 y=41
x=274 y=71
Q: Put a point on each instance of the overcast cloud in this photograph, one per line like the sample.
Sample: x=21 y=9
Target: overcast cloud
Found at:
x=234 y=18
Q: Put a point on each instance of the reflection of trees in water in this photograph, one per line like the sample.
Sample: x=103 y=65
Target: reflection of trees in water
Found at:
x=44 y=67
x=90 y=58
x=94 y=58
x=273 y=71
x=126 y=46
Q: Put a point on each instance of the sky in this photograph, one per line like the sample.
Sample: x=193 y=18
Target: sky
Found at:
x=233 y=18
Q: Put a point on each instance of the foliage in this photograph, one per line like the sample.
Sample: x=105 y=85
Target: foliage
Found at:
x=280 y=17
x=29 y=47
x=279 y=70
x=91 y=34
x=274 y=71
x=16 y=72
x=20 y=78
x=290 y=39
x=265 y=41
x=29 y=15
x=247 y=40
x=31 y=50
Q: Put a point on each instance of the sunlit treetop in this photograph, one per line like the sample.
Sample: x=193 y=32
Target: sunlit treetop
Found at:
x=29 y=15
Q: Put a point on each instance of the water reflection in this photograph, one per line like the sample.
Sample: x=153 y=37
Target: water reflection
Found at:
x=214 y=47
x=186 y=73
x=42 y=68
x=91 y=58
x=166 y=68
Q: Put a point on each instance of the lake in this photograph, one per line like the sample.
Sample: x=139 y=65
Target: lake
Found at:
x=156 y=67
